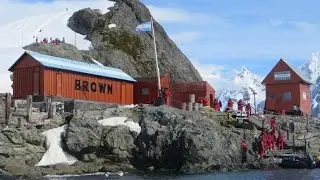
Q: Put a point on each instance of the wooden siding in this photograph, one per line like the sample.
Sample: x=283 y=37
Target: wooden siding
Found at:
x=149 y=83
x=64 y=83
x=182 y=91
x=27 y=79
x=282 y=66
x=305 y=102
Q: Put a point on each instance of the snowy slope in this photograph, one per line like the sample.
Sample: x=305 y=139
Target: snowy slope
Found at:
x=245 y=84
x=45 y=20
x=311 y=68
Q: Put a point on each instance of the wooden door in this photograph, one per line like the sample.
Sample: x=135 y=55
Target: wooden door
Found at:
x=59 y=84
x=36 y=81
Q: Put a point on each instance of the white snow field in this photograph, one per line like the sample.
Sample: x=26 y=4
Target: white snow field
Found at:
x=116 y=121
x=55 y=154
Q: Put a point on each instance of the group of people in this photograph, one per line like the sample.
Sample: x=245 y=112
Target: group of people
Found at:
x=267 y=140
x=241 y=105
x=203 y=101
x=51 y=40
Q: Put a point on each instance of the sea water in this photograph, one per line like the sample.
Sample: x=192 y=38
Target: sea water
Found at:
x=280 y=174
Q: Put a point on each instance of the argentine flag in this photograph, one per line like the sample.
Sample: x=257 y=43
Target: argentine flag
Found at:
x=144 y=27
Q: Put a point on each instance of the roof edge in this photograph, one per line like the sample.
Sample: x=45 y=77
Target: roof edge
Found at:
x=16 y=62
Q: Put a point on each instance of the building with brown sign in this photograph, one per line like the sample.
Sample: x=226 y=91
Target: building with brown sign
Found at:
x=286 y=87
x=42 y=75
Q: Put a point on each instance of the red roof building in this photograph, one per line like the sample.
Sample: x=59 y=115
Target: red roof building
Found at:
x=286 y=87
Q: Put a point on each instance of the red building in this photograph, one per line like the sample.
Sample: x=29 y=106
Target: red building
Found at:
x=42 y=75
x=286 y=87
x=182 y=91
x=146 y=89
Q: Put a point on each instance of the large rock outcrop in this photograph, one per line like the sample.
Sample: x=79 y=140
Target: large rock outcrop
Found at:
x=124 y=48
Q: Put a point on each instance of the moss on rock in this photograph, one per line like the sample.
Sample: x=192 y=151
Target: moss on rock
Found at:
x=124 y=41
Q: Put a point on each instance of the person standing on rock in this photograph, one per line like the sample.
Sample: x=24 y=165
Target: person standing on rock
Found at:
x=240 y=105
x=244 y=149
x=280 y=141
x=273 y=123
x=248 y=109
x=230 y=105
x=261 y=146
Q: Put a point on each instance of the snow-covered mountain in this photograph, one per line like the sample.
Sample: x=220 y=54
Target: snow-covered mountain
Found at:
x=311 y=69
x=43 y=20
x=245 y=84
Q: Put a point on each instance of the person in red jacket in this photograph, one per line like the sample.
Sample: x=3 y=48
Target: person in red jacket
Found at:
x=205 y=102
x=240 y=105
x=216 y=105
x=272 y=140
x=248 y=109
x=261 y=146
x=230 y=105
x=280 y=141
x=200 y=100
x=273 y=123
x=244 y=149
x=167 y=95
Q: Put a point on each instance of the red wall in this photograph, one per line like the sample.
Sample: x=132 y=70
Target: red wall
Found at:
x=305 y=104
x=182 y=91
x=276 y=88
x=149 y=83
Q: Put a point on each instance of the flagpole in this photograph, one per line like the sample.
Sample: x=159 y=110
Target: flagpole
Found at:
x=156 y=56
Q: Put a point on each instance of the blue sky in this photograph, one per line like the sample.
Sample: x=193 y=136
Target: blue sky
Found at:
x=255 y=34
x=230 y=34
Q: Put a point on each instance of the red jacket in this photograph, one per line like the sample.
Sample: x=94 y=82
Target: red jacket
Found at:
x=216 y=105
x=244 y=146
x=205 y=102
x=240 y=105
x=248 y=107
x=167 y=93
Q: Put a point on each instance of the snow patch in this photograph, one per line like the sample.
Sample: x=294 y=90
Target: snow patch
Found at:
x=55 y=154
x=112 y=26
x=106 y=174
x=128 y=106
x=116 y=121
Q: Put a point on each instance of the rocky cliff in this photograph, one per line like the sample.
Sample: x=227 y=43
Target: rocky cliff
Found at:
x=116 y=43
x=121 y=46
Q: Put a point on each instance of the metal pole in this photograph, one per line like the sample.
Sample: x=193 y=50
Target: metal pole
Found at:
x=255 y=106
x=156 y=56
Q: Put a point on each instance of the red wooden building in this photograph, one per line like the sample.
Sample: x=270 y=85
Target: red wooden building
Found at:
x=286 y=87
x=145 y=90
x=182 y=91
x=42 y=75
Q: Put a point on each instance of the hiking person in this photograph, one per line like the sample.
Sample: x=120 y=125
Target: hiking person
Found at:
x=248 y=109
x=280 y=141
x=63 y=40
x=216 y=105
x=273 y=123
x=205 y=102
x=261 y=146
x=230 y=105
x=244 y=149
x=220 y=104
x=295 y=109
x=240 y=105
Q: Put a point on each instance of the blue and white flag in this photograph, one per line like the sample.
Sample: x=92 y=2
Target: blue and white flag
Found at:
x=144 y=27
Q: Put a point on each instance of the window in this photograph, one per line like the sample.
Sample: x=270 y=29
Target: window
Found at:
x=145 y=91
x=304 y=95
x=287 y=96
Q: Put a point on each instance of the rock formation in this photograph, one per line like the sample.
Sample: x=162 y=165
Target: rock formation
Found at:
x=123 y=47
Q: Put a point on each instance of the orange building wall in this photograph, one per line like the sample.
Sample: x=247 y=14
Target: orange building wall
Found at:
x=27 y=79
x=305 y=103
x=63 y=83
